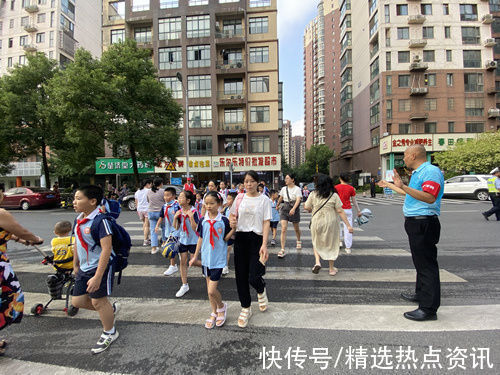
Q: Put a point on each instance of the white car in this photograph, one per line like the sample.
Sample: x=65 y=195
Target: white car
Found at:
x=468 y=185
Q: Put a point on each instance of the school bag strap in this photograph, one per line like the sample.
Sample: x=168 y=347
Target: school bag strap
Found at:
x=239 y=199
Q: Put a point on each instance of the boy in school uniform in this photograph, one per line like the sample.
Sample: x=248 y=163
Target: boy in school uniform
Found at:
x=94 y=275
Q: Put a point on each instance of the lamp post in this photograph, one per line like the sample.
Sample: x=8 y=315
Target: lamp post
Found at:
x=186 y=121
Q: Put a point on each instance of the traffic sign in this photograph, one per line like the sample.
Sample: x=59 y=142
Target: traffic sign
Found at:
x=170 y=167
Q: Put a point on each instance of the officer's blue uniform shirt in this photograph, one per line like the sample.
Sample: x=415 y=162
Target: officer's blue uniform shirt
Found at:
x=187 y=235
x=426 y=178
x=497 y=183
x=216 y=256
x=167 y=213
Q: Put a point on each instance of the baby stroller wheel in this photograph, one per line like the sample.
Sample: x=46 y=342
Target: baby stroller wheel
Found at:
x=72 y=310
x=37 y=309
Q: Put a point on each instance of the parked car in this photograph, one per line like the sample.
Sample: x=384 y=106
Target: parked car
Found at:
x=129 y=200
x=27 y=197
x=468 y=186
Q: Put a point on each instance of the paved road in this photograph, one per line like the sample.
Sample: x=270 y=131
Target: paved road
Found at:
x=355 y=317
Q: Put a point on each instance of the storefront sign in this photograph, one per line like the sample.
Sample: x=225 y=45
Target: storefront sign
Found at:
x=196 y=164
x=432 y=142
x=121 y=166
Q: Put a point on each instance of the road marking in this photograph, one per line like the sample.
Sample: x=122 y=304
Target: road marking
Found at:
x=292 y=315
x=17 y=367
x=278 y=273
x=461 y=211
x=302 y=227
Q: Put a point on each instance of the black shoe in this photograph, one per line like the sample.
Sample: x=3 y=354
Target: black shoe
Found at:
x=485 y=216
x=420 y=315
x=409 y=297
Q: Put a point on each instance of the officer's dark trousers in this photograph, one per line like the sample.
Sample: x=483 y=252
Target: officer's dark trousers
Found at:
x=495 y=199
x=423 y=235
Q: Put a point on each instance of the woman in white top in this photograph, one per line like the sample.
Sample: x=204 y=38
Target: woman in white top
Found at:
x=291 y=195
x=142 y=205
x=251 y=216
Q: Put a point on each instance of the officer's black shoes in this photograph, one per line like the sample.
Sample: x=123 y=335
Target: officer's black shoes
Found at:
x=485 y=216
x=420 y=315
x=409 y=296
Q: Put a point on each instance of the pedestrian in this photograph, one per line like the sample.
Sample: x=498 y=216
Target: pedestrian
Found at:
x=91 y=265
x=275 y=216
x=305 y=193
x=155 y=203
x=223 y=189
x=11 y=294
x=166 y=221
x=123 y=192
x=214 y=233
x=494 y=192
x=347 y=195
x=55 y=187
x=250 y=216
x=189 y=186
x=142 y=205
x=326 y=207
x=210 y=187
x=266 y=191
x=199 y=202
x=373 y=187
x=241 y=189
x=422 y=207
x=186 y=222
x=227 y=210
x=290 y=195
x=233 y=189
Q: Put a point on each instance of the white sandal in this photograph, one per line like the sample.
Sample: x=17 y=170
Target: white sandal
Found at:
x=211 y=321
x=281 y=253
x=263 y=301
x=299 y=245
x=245 y=315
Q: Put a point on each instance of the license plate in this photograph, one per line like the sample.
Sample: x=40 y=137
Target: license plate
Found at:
x=50 y=196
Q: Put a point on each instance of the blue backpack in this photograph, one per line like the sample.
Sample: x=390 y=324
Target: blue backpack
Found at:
x=112 y=207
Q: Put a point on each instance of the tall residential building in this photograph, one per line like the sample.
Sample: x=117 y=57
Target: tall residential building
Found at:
x=297 y=151
x=495 y=31
x=287 y=137
x=227 y=53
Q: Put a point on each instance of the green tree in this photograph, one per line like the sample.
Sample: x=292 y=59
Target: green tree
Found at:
x=479 y=156
x=318 y=158
x=23 y=111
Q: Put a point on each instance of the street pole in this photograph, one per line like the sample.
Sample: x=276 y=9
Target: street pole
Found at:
x=186 y=120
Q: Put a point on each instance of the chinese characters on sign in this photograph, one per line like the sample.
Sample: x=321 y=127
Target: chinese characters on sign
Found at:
x=121 y=166
x=240 y=163
x=411 y=142
x=432 y=142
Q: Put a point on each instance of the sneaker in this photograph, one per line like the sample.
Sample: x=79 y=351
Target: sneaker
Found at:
x=225 y=270
x=183 y=290
x=154 y=250
x=273 y=242
x=171 y=270
x=347 y=250
x=116 y=310
x=145 y=243
x=104 y=342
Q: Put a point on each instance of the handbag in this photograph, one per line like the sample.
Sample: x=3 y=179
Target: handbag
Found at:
x=323 y=205
x=287 y=206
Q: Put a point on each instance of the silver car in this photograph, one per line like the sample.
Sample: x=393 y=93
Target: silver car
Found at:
x=475 y=186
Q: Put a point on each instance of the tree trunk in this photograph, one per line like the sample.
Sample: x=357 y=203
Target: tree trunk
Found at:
x=45 y=164
x=134 y=165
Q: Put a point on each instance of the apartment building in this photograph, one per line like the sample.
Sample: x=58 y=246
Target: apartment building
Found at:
x=297 y=151
x=227 y=53
x=495 y=33
x=287 y=138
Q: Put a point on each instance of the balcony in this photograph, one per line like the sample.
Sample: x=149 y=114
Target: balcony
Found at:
x=30 y=28
x=234 y=66
x=416 y=19
x=489 y=42
x=31 y=8
x=418 y=66
x=29 y=48
x=417 y=43
x=235 y=98
x=419 y=116
x=491 y=65
x=493 y=113
x=416 y=91
x=487 y=19
x=229 y=37
x=232 y=128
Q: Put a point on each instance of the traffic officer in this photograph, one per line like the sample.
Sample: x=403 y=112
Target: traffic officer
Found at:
x=494 y=191
x=421 y=209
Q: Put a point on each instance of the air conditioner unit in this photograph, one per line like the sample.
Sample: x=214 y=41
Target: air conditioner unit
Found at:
x=239 y=96
x=385 y=134
x=491 y=64
x=239 y=65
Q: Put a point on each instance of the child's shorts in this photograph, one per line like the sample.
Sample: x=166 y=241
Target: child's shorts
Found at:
x=185 y=248
x=274 y=224
x=82 y=277
x=214 y=273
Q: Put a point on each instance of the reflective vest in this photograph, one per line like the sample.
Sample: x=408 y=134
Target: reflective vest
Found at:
x=491 y=185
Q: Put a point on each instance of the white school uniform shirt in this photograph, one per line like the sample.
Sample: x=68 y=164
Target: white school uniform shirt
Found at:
x=293 y=192
x=142 y=200
x=252 y=212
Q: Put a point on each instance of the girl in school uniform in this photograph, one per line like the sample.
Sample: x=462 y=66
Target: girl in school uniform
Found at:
x=186 y=222
x=214 y=232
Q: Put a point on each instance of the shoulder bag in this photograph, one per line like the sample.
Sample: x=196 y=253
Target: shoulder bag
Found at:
x=323 y=205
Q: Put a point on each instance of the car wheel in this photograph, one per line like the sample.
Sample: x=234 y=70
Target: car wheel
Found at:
x=25 y=205
x=482 y=195
x=131 y=205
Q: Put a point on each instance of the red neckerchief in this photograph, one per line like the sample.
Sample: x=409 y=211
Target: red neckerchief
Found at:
x=212 y=233
x=80 y=236
x=184 y=225
x=166 y=212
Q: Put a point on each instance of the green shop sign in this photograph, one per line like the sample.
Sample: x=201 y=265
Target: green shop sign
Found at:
x=121 y=166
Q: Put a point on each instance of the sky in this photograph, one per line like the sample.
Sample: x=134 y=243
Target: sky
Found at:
x=293 y=16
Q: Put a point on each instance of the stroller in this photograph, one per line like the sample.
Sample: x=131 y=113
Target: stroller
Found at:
x=62 y=281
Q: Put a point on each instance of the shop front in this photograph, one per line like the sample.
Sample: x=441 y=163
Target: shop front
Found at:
x=118 y=171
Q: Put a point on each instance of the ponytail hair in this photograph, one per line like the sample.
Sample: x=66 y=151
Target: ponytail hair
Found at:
x=156 y=184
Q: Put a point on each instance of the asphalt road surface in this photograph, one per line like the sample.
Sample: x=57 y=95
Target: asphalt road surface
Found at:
x=350 y=323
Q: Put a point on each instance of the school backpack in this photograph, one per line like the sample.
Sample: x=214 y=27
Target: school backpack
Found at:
x=111 y=207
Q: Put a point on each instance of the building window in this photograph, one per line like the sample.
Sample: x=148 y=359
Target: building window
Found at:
x=428 y=32
x=232 y=27
x=259 y=144
x=346 y=146
x=472 y=58
x=199 y=86
x=9 y=62
x=40 y=38
x=198 y=56
x=451 y=104
x=403 y=33
x=233 y=86
x=402 y=9
x=200 y=145
x=23 y=41
x=169 y=28
x=430 y=79
x=387 y=13
x=259 y=3
x=165 y=4
x=447 y=32
x=446 y=9
x=473 y=82
x=200 y=116
x=426 y=9
x=116 y=10
x=170 y=58
x=403 y=56
x=388 y=85
x=375 y=136
x=451 y=127
x=234 y=145
x=117 y=36
x=228 y=1
x=22 y=60
x=259 y=25
x=11 y=42
x=449 y=55
x=468 y=12
x=142 y=34
x=346 y=77
x=346 y=129
x=233 y=115
x=346 y=112
x=259 y=84
x=25 y=21
x=474 y=127
x=51 y=39
x=174 y=85
x=388 y=109
x=429 y=56
x=259 y=55
x=259 y=114
x=404 y=128
x=198 y=26
x=11 y=24
x=374 y=114
x=346 y=94
x=404 y=105
x=140 y=5
x=374 y=69
x=374 y=91
x=388 y=64
x=449 y=79
x=193 y=3
x=232 y=56
x=430 y=104
x=430 y=127
x=474 y=107
x=404 y=80
x=470 y=35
